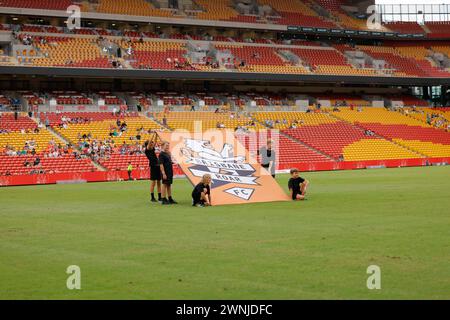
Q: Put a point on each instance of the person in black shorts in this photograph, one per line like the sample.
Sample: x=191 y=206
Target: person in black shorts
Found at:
x=166 y=166
x=297 y=185
x=155 y=171
x=268 y=158
x=201 y=195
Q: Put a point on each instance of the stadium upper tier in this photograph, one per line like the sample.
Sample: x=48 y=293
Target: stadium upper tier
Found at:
x=300 y=57
x=335 y=14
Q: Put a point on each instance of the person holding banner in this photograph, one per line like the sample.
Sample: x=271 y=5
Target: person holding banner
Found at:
x=201 y=195
x=166 y=166
x=268 y=158
x=297 y=185
x=155 y=171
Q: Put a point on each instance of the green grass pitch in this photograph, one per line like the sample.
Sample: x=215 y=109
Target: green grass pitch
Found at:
x=128 y=248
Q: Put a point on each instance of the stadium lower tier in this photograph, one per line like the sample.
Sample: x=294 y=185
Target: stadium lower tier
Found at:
x=427 y=141
x=23 y=165
x=343 y=141
x=121 y=162
x=314 y=138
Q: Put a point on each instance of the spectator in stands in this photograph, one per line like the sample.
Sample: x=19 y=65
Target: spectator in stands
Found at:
x=37 y=161
x=123 y=127
x=164 y=121
x=269 y=123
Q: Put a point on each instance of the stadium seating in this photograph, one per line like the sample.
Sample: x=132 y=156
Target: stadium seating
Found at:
x=261 y=59
x=297 y=13
x=283 y=120
x=444 y=111
x=14 y=165
x=121 y=162
x=403 y=65
x=328 y=61
x=207 y=120
x=131 y=7
x=100 y=125
x=350 y=135
x=343 y=99
x=427 y=141
x=402 y=58
x=8 y=122
x=18 y=138
x=438 y=29
x=22 y=136
x=55 y=118
x=157 y=55
x=405 y=27
x=409 y=132
x=407 y=100
x=420 y=55
x=339 y=139
x=289 y=151
x=373 y=115
x=43 y=4
x=71 y=52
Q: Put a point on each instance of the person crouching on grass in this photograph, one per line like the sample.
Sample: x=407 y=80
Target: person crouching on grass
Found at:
x=166 y=166
x=297 y=185
x=155 y=171
x=201 y=195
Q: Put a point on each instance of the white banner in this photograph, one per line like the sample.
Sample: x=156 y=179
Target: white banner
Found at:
x=225 y=177
x=221 y=165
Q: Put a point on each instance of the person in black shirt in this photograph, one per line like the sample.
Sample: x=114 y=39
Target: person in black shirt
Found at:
x=166 y=166
x=201 y=195
x=155 y=171
x=297 y=185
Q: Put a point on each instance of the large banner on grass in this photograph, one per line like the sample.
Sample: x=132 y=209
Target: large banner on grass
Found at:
x=237 y=177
